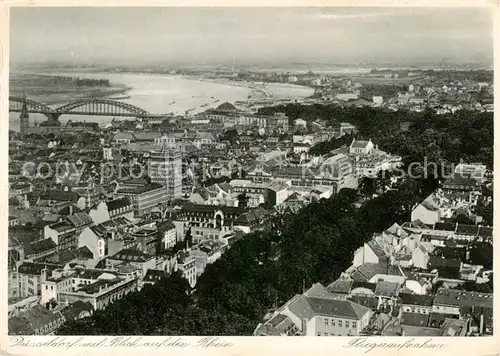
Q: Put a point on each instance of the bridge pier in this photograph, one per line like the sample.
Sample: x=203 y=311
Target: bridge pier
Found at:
x=54 y=116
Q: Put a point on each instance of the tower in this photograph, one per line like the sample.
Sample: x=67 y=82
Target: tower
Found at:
x=24 y=118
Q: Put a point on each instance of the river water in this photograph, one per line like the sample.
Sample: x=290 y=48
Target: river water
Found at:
x=163 y=94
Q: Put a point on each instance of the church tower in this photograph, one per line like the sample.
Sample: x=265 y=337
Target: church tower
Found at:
x=24 y=116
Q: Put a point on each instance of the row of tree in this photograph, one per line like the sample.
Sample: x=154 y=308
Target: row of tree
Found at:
x=262 y=270
x=435 y=138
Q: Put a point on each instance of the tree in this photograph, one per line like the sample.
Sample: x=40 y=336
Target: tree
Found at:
x=243 y=200
x=367 y=187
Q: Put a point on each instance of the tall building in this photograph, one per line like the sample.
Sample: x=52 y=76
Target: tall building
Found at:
x=24 y=118
x=165 y=168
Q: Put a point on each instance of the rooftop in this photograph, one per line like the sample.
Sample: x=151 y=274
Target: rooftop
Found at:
x=459 y=298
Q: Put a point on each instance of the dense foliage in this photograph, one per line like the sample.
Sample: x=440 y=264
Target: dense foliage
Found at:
x=266 y=268
x=463 y=135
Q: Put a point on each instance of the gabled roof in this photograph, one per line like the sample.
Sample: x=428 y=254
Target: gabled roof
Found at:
x=376 y=248
x=368 y=270
x=445 y=226
x=38 y=316
x=485 y=231
x=416 y=299
x=318 y=291
x=415 y=319
x=359 y=143
x=299 y=306
x=337 y=308
x=387 y=289
x=39 y=246
x=467 y=229
x=59 y=195
x=118 y=203
x=80 y=219
x=454 y=297
x=340 y=286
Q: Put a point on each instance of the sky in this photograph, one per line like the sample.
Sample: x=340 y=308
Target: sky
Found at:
x=176 y=36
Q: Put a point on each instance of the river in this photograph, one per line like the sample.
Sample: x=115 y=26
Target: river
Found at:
x=163 y=94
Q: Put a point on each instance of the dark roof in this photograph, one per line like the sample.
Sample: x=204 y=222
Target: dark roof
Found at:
x=359 y=144
x=79 y=219
x=439 y=262
x=415 y=319
x=131 y=255
x=63 y=257
x=485 y=231
x=416 y=299
x=467 y=229
x=376 y=248
x=39 y=246
x=445 y=226
x=340 y=286
x=366 y=285
x=387 y=289
x=460 y=298
x=73 y=311
x=59 y=195
x=251 y=217
x=153 y=275
x=118 y=203
x=367 y=301
x=38 y=316
x=226 y=107
x=429 y=237
x=337 y=308
x=459 y=181
x=35 y=268
x=20 y=326
x=437 y=319
x=368 y=270
x=190 y=207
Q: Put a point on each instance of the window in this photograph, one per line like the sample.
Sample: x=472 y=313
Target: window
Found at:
x=340 y=323
x=46 y=287
x=353 y=324
x=51 y=287
x=319 y=334
x=333 y=322
x=326 y=334
x=326 y=321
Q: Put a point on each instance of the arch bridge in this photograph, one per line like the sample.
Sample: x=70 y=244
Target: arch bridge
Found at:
x=91 y=107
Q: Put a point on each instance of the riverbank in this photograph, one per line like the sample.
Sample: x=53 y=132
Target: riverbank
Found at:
x=39 y=87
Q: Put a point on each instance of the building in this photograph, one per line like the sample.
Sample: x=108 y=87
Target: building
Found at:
x=133 y=257
x=104 y=238
x=112 y=209
x=168 y=234
x=186 y=264
x=29 y=277
x=317 y=313
x=37 y=320
x=58 y=281
x=100 y=293
x=145 y=197
x=207 y=253
x=208 y=221
x=65 y=233
x=251 y=221
x=359 y=147
x=165 y=168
